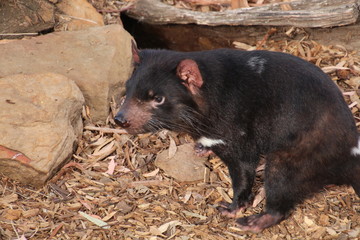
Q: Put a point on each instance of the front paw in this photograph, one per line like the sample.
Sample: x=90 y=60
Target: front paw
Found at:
x=257 y=223
x=229 y=210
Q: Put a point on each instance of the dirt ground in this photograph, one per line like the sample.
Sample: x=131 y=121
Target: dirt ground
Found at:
x=139 y=201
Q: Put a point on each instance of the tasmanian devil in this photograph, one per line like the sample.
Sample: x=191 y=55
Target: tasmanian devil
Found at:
x=243 y=104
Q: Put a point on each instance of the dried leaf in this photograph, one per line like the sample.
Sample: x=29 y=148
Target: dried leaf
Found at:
x=259 y=197
x=191 y=214
x=12 y=214
x=324 y=220
x=123 y=169
x=354 y=233
x=308 y=221
x=224 y=195
x=155 y=231
x=105 y=150
x=86 y=204
x=244 y=46
x=331 y=231
x=144 y=206
x=109 y=216
x=349 y=93
x=22 y=237
x=95 y=220
x=8 y=199
x=187 y=197
x=331 y=69
x=30 y=213
x=111 y=166
x=354 y=82
x=152 y=173
x=172 y=147
x=172 y=224
x=320 y=231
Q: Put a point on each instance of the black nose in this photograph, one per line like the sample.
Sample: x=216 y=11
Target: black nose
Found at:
x=121 y=120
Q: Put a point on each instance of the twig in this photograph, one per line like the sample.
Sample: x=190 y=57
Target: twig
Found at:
x=134 y=169
x=16 y=232
x=105 y=129
x=56 y=230
x=266 y=37
x=208 y=2
x=148 y=183
x=63 y=169
x=123 y=9
x=19 y=34
x=80 y=18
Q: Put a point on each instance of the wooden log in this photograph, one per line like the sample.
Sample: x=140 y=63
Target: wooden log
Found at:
x=207 y=2
x=306 y=13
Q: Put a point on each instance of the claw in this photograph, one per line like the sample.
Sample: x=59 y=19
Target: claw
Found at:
x=227 y=210
x=202 y=151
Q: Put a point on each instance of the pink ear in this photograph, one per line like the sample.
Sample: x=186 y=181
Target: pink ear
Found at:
x=135 y=52
x=189 y=72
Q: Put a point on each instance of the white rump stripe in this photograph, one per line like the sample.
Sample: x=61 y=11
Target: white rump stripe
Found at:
x=356 y=150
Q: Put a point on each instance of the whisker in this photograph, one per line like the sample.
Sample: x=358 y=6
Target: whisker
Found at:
x=191 y=121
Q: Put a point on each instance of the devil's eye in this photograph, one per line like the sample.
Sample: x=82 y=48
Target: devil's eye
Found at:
x=159 y=99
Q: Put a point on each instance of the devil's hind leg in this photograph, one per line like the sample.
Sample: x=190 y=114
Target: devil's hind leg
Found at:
x=286 y=184
x=354 y=174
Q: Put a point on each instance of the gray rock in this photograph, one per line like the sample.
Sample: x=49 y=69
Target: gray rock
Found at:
x=98 y=59
x=40 y=122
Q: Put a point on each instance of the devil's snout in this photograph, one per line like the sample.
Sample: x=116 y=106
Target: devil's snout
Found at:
x=121 y=120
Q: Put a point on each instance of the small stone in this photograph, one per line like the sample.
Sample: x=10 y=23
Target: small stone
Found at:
x=184 y=165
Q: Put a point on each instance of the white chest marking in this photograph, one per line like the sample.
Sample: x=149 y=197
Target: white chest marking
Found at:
x=356 y=150
x=208 y=142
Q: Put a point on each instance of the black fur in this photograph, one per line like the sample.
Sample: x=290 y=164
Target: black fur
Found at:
x=257 y=102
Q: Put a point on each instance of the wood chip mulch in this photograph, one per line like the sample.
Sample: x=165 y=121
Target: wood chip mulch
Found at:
x=112 y=190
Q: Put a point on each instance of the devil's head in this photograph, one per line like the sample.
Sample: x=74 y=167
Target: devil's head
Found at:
x=162 y=93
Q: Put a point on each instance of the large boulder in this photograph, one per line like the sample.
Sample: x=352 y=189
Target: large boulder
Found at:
x=40 y=122
x=98 y=59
